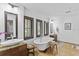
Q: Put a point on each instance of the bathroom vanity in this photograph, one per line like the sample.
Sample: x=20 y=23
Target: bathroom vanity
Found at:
x=16 y=50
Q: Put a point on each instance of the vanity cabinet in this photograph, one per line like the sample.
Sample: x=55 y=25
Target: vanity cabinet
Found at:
x=17 y=51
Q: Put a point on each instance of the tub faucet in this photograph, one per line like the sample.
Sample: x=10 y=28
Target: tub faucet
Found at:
x=11 y=36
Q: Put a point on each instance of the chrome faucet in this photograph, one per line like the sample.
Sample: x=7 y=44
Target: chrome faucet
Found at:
x=11 y=36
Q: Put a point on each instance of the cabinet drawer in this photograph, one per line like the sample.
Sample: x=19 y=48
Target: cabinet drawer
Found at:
x=23 y=47
x=17 y=51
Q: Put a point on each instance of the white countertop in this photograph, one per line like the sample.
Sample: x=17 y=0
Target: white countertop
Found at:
x=2 y=48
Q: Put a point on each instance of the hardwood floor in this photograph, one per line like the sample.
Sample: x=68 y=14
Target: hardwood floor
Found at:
x=64 y=49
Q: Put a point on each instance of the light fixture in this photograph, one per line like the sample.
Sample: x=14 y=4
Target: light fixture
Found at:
x=68 y=11
x=12 y=5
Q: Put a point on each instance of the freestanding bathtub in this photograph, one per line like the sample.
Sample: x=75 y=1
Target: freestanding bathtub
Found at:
x=42 y=44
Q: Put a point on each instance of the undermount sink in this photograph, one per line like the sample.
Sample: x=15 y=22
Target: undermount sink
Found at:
x=11 y=42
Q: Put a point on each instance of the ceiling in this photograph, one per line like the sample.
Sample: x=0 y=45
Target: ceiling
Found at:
x=53 y=9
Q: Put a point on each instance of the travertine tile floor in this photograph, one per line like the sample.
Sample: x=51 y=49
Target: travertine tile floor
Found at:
x=64 y=49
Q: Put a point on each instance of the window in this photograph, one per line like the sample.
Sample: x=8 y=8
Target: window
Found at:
x=46 y=28
x=38 y=28
x=28 y=27
x=51 y=28
x=10 y=25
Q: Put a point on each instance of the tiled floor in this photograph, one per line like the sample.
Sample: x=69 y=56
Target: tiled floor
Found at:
x=64 y=49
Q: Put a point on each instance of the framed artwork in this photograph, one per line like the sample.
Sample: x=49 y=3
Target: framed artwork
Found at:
x=67 y=26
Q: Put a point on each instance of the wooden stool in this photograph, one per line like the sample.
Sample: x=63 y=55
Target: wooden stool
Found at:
x=30 y=49
x=53 y=45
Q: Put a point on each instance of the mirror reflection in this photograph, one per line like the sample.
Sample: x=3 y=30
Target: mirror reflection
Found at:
x=10 y=25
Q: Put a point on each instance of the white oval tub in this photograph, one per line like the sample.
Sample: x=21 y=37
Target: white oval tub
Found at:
x=42 y=44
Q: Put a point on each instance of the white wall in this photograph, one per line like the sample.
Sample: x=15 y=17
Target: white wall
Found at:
x=21 y=23
x=71 y=36
x=19 y=11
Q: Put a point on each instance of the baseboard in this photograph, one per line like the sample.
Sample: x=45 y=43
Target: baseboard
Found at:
x=69 y=43
x=76 y=46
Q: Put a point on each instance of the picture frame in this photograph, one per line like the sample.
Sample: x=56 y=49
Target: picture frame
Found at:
x=67 y=26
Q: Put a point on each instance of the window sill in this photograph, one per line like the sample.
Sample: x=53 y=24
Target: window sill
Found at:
x=28 y=38
x=45 y=34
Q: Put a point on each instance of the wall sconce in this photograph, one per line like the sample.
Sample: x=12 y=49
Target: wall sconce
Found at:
x=57 y=29
x=12 y=5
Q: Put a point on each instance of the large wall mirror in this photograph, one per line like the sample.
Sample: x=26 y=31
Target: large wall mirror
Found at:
x=10 y=25
x=38 y=27
x=46 y=28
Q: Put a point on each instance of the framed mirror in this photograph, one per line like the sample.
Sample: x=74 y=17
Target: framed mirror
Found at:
x=46 y=28
x=10 y=25
x=38 y=28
